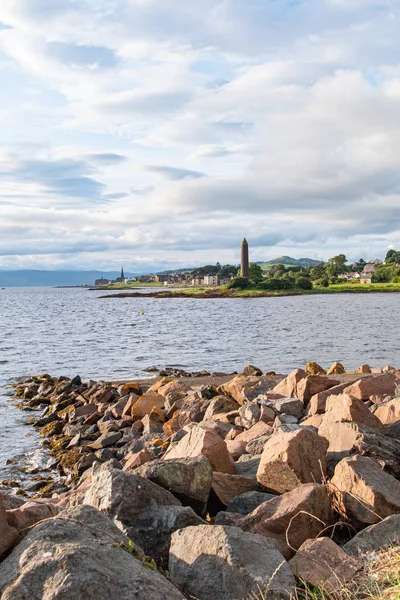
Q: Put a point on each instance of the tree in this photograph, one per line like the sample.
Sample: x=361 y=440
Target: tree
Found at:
x=392 y=256
x=255 y=272
x=317 y=272
x=359 y=265
x=336 y=265
x=304 y=283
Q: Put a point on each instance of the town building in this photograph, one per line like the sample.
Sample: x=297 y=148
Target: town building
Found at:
x=368 y=273
x=102 y=281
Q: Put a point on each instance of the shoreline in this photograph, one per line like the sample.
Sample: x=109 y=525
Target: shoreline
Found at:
x=226 y=294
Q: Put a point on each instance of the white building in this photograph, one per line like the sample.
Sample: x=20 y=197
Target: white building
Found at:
x=211 y=280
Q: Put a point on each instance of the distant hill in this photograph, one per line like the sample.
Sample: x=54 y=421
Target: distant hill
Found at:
x=288 y=261
x=30 y=278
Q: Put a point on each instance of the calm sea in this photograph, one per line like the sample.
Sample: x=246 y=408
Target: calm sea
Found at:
x=72 y=331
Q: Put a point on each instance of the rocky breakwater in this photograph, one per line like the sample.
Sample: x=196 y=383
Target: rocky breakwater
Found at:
x=182 y=490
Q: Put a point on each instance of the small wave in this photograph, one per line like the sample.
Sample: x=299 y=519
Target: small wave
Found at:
x=4 y=362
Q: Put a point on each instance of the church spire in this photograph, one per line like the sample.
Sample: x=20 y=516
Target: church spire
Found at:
x=122 y=274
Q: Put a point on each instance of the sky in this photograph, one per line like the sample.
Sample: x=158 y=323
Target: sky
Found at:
x=151 y=133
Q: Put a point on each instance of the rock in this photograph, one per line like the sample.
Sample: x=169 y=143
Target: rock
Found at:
x=105 y=440
x=133 y=460
x=347 y=438
x=249 y=467
x=256 y=447
x=249 y=415
x=251 y=370
x=122 y=494
x=289 y=406
x=247 y=502
x=237 y=386
x=8 y=534
x=131 y=401
x=294 y=517
x=80 y=554
x=223 y=563
x=152 y=529
x=30 y=513
x=9 y=501
x=203 y=442
x=389 y=412
x=313 y=368
x=363 y=491
x=323 y=563
x=220 y=404
x=288 y=386
x=313 y=421
x=154 y=421
x=235 y=448
x=189 y=479
x=336 y=369
x=313 y=384
x=258 y=430
x=290 y=459
x=363 y=369
x=317 y=404
x=348 y=408
x=379 y=386
x=226 y=487
x=145 y=404
x=375 y=537
x=267 y=414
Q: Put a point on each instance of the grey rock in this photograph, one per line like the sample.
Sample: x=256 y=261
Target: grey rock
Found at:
x=249 y=415
x=189 y=479
x=223 y=563
x=80 y=554
x=122 y=494
x=152 y=529
x=247 y=502
x=256 y=446
x=383 y=534
x=249 y=467
x=107 y=439
x=288 y=406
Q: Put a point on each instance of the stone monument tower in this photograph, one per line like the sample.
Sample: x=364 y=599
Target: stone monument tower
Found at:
x=244 y=258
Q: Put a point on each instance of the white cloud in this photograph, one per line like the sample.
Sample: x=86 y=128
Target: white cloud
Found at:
x=167 y=130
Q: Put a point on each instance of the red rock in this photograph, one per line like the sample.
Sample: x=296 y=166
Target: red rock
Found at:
x=363 y=369
x=317 y=403
x=313 y=421
x=290 y=459
x=236 y=387
x=254 y=432
x=389 y=412
x=146 y=403
x=203 y=442
x=235 y=448
x=380 y=385
x=226 y=486
x=127 y=411
x=363 y=491
x=293 y=517
x=8 y=535
x=323 y=563
x=31 y=513
x=347 y=408
x=313 y=384
x=137 y=459
x=288 y=387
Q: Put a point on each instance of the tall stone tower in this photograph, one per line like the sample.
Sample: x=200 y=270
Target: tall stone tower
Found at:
x=244 y=258
x=122 y=275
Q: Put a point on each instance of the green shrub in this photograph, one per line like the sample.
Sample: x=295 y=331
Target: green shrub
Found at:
x=241 y=283
x=304 y=283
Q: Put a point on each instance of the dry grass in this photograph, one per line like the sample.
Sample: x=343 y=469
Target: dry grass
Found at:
x=379 y=579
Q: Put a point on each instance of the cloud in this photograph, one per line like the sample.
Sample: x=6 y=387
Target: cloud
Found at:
x=168 y=130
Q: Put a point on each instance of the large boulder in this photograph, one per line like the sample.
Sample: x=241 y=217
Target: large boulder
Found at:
x=31 y=513
x=288 y=386
x=189 y=479
x=8 y=535
x=388 y=412
x=258 y=430
x=122 y=494
x=313 y=384
x=292 y=518
x=376 y=387
x=245 y=389
x=247 y=502
x=223 y=563
x=317 y=404
x=80 y=554
x=290 y=459
x=323 y=563
x=152 y=529
x=203 y=442
x=363 y=491
x=226 y=486
x=220 y=405
x=375 y=537
x=348 y=408
x=347 y=438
